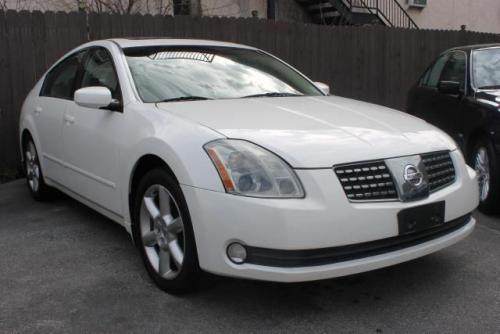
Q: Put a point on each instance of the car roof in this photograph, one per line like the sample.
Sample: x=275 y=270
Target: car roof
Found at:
x=474 y=47
x=148 y=41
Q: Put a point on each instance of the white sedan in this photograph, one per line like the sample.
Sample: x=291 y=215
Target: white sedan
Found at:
x=220 y=157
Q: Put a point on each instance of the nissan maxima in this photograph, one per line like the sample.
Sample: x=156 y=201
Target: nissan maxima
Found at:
x=219 y=157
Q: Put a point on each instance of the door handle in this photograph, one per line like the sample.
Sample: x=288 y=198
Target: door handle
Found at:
x=68 y=119
x=37 y=111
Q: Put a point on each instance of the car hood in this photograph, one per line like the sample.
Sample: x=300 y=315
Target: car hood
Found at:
x=316 y=132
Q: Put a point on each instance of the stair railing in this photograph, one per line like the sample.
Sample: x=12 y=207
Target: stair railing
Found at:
x=389 y=11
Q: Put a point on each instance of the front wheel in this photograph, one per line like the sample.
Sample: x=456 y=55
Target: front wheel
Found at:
x=483 y=160
x=163 y=232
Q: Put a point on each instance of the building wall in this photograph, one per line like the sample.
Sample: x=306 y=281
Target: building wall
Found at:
x=286 y=10
x=234 y=8
x=477 y=15
x=231 y=8
x=141 y=6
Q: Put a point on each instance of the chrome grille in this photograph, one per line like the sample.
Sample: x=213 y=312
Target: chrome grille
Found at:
x=366 y=181
x=371 y=181
x=440 y=169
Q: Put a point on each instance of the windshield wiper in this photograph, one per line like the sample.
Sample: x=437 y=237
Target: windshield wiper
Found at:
x=272 y=94
x=490 y=87
x=185 y=98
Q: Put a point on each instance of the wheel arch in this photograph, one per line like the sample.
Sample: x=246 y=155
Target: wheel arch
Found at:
x=143 y=165
x=473 y=138
x=25 y=136
x=27 y=130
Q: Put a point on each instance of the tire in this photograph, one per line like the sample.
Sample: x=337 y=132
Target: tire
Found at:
x=163 y=232
x=483 y=159
x=39 y=190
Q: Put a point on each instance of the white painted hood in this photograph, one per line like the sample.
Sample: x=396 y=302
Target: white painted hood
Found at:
x=316 y=132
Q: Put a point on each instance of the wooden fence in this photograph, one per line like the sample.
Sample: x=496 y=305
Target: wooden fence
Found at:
x=372 y=63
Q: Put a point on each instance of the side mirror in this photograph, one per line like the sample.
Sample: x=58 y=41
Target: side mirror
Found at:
x=449 y=87
x=323 y=87
x=93 y=97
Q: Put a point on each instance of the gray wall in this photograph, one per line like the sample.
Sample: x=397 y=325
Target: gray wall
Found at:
x=287 y=10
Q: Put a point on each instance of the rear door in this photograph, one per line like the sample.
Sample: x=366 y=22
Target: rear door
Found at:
x=55 y=97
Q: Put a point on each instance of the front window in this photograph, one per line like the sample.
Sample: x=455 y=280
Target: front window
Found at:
x=100 y=71
x=454 y=70
x=170 y=73
x=431 y=77
x=486 y=68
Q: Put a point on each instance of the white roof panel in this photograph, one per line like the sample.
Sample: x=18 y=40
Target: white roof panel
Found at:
x=138 y=42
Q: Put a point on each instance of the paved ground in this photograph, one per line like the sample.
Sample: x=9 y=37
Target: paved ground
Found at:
x=64 y=268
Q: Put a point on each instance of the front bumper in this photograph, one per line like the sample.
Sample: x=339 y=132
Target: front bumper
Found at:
x=324 y=219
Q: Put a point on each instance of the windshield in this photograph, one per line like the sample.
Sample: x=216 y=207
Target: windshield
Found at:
x=197 y=73
x=486 y=68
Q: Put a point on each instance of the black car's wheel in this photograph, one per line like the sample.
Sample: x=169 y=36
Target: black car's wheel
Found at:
x=163 y=232
x=34 y=175
x=484 y=161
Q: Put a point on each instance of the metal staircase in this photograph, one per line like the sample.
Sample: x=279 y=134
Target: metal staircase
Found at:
x=358 y=12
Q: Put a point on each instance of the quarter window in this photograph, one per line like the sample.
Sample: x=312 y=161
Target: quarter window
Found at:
x=60 y=81
x=100 y=71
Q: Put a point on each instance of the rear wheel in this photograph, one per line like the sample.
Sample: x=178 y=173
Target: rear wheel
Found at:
x=163 y=232
x=34 y=175
x=483 y=160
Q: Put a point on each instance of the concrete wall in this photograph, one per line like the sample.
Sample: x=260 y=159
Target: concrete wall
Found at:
x=478 y=15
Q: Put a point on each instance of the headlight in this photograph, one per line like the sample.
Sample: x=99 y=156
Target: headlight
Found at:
x=250 y=170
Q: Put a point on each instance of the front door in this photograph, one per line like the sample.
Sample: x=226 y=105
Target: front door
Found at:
x=448 y=106
x=425 y=93
x=91 y=138
x=438 y=108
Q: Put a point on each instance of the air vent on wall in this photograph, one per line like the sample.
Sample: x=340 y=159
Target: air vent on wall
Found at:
x=417 y=3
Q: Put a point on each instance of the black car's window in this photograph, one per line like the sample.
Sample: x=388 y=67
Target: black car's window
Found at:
x=431 y=78
x=454 y=70
x=486 y=68
x=166 y=73
x=100 y=71
x=425 y=78
x=60 y=81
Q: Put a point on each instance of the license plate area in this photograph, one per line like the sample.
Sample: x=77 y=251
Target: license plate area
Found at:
x=421 y=218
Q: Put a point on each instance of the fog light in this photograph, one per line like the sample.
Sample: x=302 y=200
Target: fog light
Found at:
x=237 y=253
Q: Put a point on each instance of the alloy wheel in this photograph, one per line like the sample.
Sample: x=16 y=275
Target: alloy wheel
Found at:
x=482 y=167
x=32 y=167
x=162 y=231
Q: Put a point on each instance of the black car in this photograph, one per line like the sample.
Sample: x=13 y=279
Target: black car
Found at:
x=460 y=93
